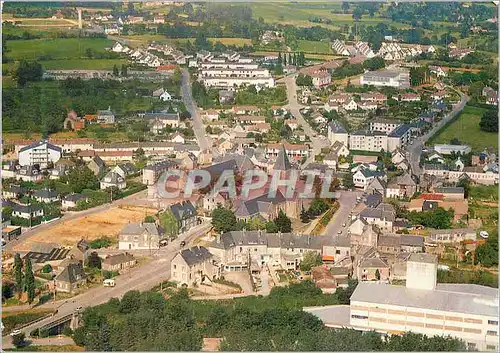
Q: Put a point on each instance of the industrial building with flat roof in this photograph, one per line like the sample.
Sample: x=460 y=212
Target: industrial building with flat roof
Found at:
x=465 y=311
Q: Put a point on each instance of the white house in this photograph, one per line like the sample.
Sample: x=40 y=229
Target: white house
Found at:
x=46 y=195
x=27 y=211
x=70 y=201
x=336 y=132
x=352 y=105
x=165 y=96
x=113 y=179
x=41 y=153
x=363 y=177
x=178 y=138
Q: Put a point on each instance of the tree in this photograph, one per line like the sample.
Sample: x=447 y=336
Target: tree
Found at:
x=345 y=6
x=317 y=207
x=377 y=274
x=80 y=178
x=283 y=223
x=94 y=261
x=304 y=216
x=271 y=227
x=487 y=253
x=311 y=259
x=347 y=180
x=124 y=70
x=19 y=340
x=223 y=219
x=149 y=219
x=88 y=53
x=169 y=223
x=115 y=71
x=357 y=14
x=47 y=269
x=489 y=121
x=28 y=71
x=18 y=271
x=29 y=280
x=255 y=223
x=131 y=302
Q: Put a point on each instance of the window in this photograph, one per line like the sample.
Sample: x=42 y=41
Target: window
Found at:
x=471 y=345
x=337 y=252
x=362 y=317
x=493 y=322
x=241 y=249
x=490 y=348
x=175 y=267
x=491 y=333
x=255 y=249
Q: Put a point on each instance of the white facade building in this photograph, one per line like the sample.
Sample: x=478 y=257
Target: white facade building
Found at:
x=41 y=153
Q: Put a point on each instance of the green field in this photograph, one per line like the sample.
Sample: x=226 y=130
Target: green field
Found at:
x=466 y=129
x=82 y=64
x=310 y=46
x=61 y=48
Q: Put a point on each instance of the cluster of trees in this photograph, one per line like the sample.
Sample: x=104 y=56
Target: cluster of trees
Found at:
x=147 y=321
x=270 y=96
x=317 y=207
x=297 y=59
x=304 y=80
x=44 y=10
x=311 y=259
x=487 y=253
x=489 y=121
x=42 y=107
x=480 y=277
x=25 y=282
x=347 y=69
x=224 y=220
x=438 y=218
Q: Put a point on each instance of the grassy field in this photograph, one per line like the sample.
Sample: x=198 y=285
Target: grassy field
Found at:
x=466 y=129
x=317 y=47
x=82 y=64
x=239 y=42
x=61 y=48
x=15 y=319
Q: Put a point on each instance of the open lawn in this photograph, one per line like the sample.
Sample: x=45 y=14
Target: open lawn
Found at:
x=61 y=48
x=239 y=42
x=309 y=46
x=82 y=64
x=106 y=223
x=466 y=129
x=117 y=136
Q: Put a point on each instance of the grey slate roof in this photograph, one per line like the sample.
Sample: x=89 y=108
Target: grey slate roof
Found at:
x=373 y=262
x=424 y=258
x=113 y=178
x=75 y=197
x=337 y=127
x=400 y=130
x=259 y=204
x=71 y=273
x=26 y=208
x=412 y=240
x=118 y=259
x=429 y=205
x=39 y=143
x=99 y=162
x=373 y=200
x=46 y=193
x=449 y=190
x=282 y=161
x=139 y=228
x=441 y=299
x=183 y=210
x=195 y=255
x=216 y=170
x=274 y=240
x=382 y=211
x=128 y=168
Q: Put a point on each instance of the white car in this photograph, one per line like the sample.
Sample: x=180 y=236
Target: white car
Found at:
x=15 y=333
x=339 y=232
x=343 y=224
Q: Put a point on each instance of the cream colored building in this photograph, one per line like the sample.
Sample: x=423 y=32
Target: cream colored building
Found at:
x=194 y=265
x=465 y=311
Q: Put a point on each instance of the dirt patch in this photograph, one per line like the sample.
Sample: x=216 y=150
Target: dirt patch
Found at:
x=107 y=223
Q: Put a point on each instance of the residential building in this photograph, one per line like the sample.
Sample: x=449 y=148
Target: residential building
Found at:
x=42 y=153
x=387 y=78
x=363 y=177
x=193 y=266
x=125 y=170
x=241 y=250
x=139 y=236
x=368 y=268
x=118 y=262
x=451 y=236
x=399 y=138
x=409 y=97
x=71 y=200
x=13 y=192
x=106 y=116
x=27 y=211
x=226 y=75
x=72 y=277
x=46 y=195
x=384 y=125
x=340 y=149
x=152 y=172
x=113 y=179
x=320 y=78
x=382 y=216
x=185 y=214
x=401 y=186
x=336 y=132
x=364 y=140
x=97 y=165
x=451 y=193
x=80 y=252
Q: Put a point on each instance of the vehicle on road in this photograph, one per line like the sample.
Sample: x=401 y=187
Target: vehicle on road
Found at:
x=78 y=309
x=15 y=333
x=183 y=243
x=55 y=312
x=339 y=232
x=109 y=282
x=163 y=242
x=343 y=224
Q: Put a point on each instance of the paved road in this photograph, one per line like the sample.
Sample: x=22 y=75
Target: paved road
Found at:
x=68 y=216
x=294 y=106
x=198 y=127
x=347 y=201
x=140 y=278
x=415 y=149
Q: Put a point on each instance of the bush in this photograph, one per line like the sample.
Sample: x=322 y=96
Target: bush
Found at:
x=42 y=333
x=67 y=331
x=102 y=242
x=19 y=340
x=47 y=269
x=109 y=274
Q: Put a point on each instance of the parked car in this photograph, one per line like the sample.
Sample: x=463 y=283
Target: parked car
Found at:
x=183 y=243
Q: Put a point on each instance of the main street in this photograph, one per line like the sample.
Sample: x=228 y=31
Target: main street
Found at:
x=415 y=149
x=347 y=201
x=141 y=278
x=294 y=107
x=198 y=127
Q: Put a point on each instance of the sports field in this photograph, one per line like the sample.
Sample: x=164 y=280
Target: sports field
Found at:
x=466 y=130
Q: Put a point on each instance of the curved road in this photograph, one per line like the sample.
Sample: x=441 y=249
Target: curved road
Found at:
x=294 y=106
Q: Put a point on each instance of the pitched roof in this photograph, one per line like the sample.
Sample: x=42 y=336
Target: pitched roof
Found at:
x=118 y=259
x=282 y=161
x=40 y=143
x=139 y=228
x=46 y=193
x=373 y=262
x=183 y=210
x=75 y=197
x=71 y=273
x=336 y=127
x=382 y=211
x=195 y=255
